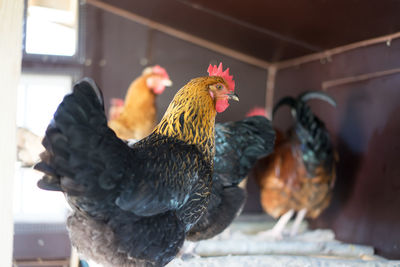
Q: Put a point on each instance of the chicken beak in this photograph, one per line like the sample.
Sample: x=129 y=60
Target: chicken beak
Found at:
x=233 y=96
x=167 y=82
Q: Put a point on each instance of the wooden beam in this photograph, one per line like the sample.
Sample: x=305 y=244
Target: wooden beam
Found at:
x=180 y=34
x=11 y=13
x=358 y=78
x=269 y=101
x=324 y=55
x=327 y=55
x=41 y=263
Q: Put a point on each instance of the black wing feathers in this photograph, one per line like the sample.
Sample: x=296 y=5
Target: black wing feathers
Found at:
x=238 y=145
x=225 y=205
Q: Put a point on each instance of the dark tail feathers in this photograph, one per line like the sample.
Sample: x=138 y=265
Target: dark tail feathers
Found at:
x=310 y=130
x=79 y=108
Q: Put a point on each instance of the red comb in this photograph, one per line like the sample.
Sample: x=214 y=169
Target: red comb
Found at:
x=257 y=111
x=117 y=102
x=157 y=69
x=217 y=71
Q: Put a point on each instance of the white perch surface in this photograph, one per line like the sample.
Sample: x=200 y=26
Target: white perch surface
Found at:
x=277 y=261
x=240 y=246
x=225 y=247
x=319 y=242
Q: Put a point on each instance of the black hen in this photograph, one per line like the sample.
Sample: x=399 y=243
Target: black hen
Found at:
x=132 y=206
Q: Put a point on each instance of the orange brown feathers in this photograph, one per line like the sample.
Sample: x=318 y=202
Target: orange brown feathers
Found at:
x=301 y=172
x=138 y=116
x=285 y=184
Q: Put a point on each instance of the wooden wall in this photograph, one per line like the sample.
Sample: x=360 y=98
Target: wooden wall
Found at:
x=10 y=68
x=366 y=131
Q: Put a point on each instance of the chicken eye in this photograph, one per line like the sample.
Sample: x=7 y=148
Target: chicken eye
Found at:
x=219 y=87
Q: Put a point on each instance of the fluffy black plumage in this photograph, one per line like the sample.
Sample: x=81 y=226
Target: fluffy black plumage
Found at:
x=238 y=145
x=132 y=206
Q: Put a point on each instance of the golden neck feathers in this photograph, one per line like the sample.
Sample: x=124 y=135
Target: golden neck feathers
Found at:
x=190 y=116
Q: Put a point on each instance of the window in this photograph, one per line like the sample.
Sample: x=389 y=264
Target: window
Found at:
x=52 y=27
x=38 y=98
x=52 y=60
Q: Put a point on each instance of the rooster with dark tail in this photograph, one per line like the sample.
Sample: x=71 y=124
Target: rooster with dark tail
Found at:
x=300 y=174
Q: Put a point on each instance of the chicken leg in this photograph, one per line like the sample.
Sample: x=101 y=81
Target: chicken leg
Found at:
x=296 y=224
x=277 y=230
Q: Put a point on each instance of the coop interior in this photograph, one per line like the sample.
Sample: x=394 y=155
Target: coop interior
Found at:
x=348 y=50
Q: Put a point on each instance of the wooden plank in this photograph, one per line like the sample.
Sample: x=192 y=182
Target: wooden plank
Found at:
x=358 y=78
x=11 y=13
x=269 y=101
x=327 y=55
x=42 y=263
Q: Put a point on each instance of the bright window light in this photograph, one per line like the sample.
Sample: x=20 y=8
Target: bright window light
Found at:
x=51 y=27
x=38 y=98
x=34 y=205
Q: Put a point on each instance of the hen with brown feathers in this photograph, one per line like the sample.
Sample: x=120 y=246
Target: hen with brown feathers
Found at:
x=137 y=115
x=300 y=174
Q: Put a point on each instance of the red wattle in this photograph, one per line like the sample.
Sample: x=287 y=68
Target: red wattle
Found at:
x=159 y=89
x=221 y=105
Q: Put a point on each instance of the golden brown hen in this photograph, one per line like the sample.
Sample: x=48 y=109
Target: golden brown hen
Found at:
x=138 y=116
x=300 y=174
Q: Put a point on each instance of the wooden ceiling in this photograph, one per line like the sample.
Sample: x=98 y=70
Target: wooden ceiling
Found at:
x=273 y=30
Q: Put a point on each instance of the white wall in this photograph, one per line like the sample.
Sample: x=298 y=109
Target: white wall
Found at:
x=11 y=13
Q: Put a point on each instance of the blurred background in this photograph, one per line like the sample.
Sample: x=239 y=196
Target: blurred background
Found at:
x=349 y=49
